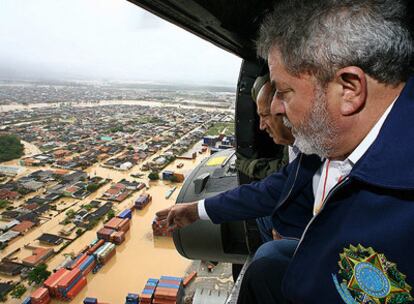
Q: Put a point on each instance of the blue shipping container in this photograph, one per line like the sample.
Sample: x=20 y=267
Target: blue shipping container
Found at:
x=125 y=214
x=132 y=298
x=168 y=285
x=90 y=301
x=86 y=263
x=171 y=278
x=148 y=291
x=28 y=300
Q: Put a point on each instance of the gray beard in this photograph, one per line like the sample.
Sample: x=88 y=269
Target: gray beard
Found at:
x=315 y=134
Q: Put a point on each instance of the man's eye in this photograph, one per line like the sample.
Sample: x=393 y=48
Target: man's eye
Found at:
x=281 y=94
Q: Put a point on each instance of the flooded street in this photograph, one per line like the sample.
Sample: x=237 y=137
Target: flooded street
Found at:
x=138 y=258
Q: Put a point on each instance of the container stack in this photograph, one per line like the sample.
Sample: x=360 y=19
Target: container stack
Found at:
x=125 y=214
x=118 y=237
x=169 y=290
x=95 y=246
x=52 y=281
x=73 y=292
x=79 y=260
x=118 y=224
x=40 y=296
x=142 y=201
x=132 y=298
x=71 y=283
x=105 y=253
x=105 y=234
x=87 y=265
x=147 y=293
x=160 y=228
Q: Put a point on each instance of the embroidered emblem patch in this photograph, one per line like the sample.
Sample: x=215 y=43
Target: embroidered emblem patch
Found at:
x=369 y=278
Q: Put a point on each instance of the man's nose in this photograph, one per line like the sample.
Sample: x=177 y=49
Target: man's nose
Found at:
x=277 y=107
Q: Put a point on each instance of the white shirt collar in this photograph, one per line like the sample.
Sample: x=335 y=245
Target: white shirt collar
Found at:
x=370 y=138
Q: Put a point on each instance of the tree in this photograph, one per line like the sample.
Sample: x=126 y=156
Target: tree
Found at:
x=3 y=297
x=70 y=213
x=92 y=224
x=18 y=291
x=111 y=214
x=4 y=204
x=88 y=207
x=38 y=274
x=79 y=232
x=92 y=187
x=153 y=176
x=10 y=147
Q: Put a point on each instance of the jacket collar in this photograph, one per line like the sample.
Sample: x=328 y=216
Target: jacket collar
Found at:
x=389 y=162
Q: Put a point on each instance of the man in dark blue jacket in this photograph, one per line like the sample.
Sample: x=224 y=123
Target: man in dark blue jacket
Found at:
x=341 y=73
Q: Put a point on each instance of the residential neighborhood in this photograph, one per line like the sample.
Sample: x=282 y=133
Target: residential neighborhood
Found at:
x=83 y=165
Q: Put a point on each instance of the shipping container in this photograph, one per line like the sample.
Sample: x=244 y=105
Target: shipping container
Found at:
x=78 y=261
x=125 y=214
x=90 y=301
x=132 y=298
x=76 y=288
x=87 y=265
x=189 y=278
x=124 y=225
x=69 y=278
x=118 y=237
x=105 y=255
x=53 y=280
x=64 y=291
x=167 y=175
x=40 y=296
x=113 y=223
x=178 y=177
x=102 y=248
x=105 y=233
x=95 y=246
x=142 y=201
x=88 y=269
x=160 y=228
x=27 y=301
x=171 y=278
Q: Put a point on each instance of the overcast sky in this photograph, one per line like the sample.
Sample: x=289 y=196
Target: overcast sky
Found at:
x=104 y=40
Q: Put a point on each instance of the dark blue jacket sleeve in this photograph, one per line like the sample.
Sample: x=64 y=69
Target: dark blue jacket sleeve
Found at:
x=249 y=201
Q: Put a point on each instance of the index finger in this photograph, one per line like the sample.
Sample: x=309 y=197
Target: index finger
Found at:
x=162 y=214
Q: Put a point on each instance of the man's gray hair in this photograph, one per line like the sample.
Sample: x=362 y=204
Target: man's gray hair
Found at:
x=322 y=36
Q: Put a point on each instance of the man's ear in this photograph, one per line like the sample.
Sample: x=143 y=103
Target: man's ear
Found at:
x=353 y=84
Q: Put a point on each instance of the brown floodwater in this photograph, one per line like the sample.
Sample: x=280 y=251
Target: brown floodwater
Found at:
x=185 y=104
x=140 y=257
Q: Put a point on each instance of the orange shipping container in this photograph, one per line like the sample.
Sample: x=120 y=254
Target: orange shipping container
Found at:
x=77 y=288
x=113 y=223
x=124 y=226
x=68 y=278
x=79 y=261
x=95 y=247
x=53 y=280
x=40 y=296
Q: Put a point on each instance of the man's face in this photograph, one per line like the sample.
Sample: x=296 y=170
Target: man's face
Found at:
x=304 y=107
x=273 y=124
